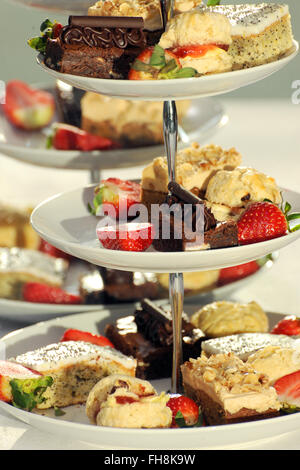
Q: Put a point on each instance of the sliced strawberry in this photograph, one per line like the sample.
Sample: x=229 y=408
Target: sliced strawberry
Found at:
x=42 y=293
x=78 y=335
x=261 y=221
x=235 y=273
x=181 y=405
x=127 y=237
x=121 y=194
x=28 y=108
x=288 y=389
x=10 y=370
x=289 y=326
x=57 y=27
x=51 y=250
x=67 y=137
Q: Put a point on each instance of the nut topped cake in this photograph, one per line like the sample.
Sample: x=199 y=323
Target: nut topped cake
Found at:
x=261 y=33
x=195 y=166
x=228 y=390
x=75 y=366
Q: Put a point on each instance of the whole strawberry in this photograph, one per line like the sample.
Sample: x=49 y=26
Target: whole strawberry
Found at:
x=235 y=273
x=261 y=221
x=185 y=412
x=289 y=325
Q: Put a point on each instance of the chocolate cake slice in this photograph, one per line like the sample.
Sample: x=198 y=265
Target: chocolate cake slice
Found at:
x=95 y=46
x=147 y=336
x=192 y=225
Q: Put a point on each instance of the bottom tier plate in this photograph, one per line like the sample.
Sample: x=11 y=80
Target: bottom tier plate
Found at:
x=75 y=424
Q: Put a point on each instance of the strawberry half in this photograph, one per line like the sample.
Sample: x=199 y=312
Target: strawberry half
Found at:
x=235 y=273
x=42 y=293
x=155 y=63
x=27 y=108
x=51 y=250
x=67 y=137
x=183 y=408
x=78 y=335
x=289 y=326
x=288 y=389
x=121 y=194
x=261 y=221
x=127 y=237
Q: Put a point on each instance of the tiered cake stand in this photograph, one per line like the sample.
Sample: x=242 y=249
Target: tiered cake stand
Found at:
x=65 y=222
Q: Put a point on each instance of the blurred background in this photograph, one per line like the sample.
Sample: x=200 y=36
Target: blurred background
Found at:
x=17 y=60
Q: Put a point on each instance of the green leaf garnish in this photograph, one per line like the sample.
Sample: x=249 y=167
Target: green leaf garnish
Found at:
x=58 y=411
x=211 y=3
x=180 y=421
x=140 y=66
x=39 y=43
x=46 y=24
x=158 y=57
x=290 y=216
x=27 y=393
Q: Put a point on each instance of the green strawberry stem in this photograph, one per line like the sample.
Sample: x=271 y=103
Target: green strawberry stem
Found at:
x=290 y=216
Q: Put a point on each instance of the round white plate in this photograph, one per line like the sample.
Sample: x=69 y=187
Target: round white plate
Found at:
x=203 y=118
x=30 y=312
x=175 y=89
x=75 y=424
x=64 y=221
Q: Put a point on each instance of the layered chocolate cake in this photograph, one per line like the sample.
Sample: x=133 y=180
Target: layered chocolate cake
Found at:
x=147 y=335
x=192 y=224
x=95 y=46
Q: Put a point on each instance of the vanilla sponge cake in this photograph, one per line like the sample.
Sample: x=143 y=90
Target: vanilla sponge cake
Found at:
x=75 y=367
x=195 y=166
x=261 y=33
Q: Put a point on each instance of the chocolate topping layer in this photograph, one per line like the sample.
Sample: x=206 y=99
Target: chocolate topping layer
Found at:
x=107 y=21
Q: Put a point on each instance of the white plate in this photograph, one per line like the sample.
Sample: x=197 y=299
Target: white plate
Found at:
x=64 y=221
x=175 y=89
x=30 y=312
x=203 y=118
x=76 y=426
x=78 y=7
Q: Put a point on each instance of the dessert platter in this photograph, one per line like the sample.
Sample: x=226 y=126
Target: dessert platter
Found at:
x=74 y=420
x=231 y=364
x=138 y=141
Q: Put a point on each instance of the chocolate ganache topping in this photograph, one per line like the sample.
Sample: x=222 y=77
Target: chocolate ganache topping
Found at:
x=104 y=32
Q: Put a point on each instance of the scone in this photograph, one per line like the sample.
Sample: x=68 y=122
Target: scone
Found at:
x=131 y=123
x=195 y=166
x=223 y=318
x=200 y=39
x=127 y=402
x=75 y=366
x=229 y=192
x=275 y=361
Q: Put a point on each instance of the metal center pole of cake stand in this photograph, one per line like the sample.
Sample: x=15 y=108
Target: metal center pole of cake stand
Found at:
x=176 y=288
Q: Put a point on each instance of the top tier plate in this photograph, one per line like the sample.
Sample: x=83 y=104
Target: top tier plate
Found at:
x=176 y=89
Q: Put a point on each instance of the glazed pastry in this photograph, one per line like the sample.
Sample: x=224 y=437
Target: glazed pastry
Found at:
x=225 y=318
x=18 y=266
x=75 y=367
x=228 y=390
x=127 y=402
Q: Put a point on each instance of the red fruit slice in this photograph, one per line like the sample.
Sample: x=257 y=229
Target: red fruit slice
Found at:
x=28 y=108
x=187 y=407
x=289 y=325
x=10 y=370
x=235 y=273
x=261 y=221
x=51 y=250
x=288 y=389
x=42 y=293
x=194 y=51
x=67 y=137
x=127 y=237
x=78 y=335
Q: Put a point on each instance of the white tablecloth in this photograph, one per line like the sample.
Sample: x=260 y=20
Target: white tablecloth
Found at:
x=267 y=135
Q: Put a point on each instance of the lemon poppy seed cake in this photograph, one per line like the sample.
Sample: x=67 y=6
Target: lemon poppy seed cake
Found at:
x=261 y=33
x=75 y=366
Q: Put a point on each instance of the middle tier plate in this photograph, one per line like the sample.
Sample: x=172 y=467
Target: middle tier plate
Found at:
x=65 y=222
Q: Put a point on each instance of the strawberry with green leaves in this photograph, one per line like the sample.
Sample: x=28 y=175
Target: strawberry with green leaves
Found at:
x=120 y=194
x=48 y=29
x=185 y=412
x=155 y=63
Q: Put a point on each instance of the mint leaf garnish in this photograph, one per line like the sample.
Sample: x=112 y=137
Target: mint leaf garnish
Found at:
x=27 y=393
x=158 y=57
x=211 y=3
